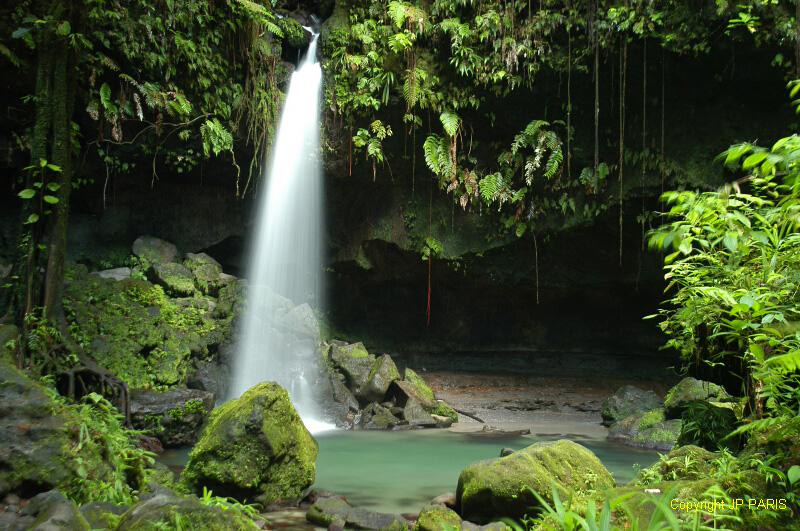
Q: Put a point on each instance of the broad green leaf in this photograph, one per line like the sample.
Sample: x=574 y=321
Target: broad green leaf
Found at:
x=33 y=218
x=50 y=199
x=27 y=193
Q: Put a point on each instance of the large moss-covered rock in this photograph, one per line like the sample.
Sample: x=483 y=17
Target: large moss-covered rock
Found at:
x=207 y=272
x=421 y=388
x=690 y=390
x=500 y=487
x=647 y=430
x=165 y=510
x=154 y=250
x=135 y=331
x=416 y=414
x=174 y=417
x=626 y=401
x=176 y=279
x=438 y=518
x=254 y=447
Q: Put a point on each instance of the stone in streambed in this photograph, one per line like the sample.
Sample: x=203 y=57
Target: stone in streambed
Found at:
x=377 y=417
x=337 y=512
x=437 y=518
x=691 y=390
x=500 y=487
x=626 y=401
x=254 y=447
x=416 y=415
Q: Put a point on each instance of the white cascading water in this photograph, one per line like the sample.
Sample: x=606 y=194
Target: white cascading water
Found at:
x=287 y=251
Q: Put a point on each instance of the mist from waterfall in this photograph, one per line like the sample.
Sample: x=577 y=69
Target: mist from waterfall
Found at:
x=286 y=253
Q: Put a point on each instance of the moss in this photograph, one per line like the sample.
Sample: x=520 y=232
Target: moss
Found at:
x=690 y=390
x=437 y=518
x=293 y=33
x=504 y=487
x=168 y=511
x=255 y=446
x=444 y=410
x=135 y=331
x=421 y=386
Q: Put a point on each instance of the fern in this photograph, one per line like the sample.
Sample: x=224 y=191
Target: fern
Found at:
x=451 y=122
x=397 y=12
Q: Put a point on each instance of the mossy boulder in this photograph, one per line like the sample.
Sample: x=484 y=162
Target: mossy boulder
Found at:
x=416 y=414
x=154 y=250
x=377 y=417
x=354 y=362
x=166 y=510
x=437 y=518
x=133 y=329
x=649 y=430
x=206 y=271
x=254 y=447
x=500 y=487
x=176 y=279
x=626 y=401
x=690 y=390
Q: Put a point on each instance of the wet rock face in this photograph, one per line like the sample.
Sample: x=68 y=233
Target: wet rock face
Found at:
x=256 y=448
x=627 y=401
x=51 y=511
x=175 y=417
x=176 y=279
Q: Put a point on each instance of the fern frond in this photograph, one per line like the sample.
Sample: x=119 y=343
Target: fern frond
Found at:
x=451 y=122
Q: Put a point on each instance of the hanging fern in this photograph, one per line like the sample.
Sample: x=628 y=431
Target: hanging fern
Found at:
x=451 y=123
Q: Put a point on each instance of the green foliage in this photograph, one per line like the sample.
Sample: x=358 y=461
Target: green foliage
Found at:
x=99 y=431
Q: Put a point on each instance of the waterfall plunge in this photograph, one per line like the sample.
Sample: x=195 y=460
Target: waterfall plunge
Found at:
x=287 y=251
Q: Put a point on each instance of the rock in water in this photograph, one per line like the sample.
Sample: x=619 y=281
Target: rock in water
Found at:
x=437 y=518
x=626 y=401
x=377 y=417
x=254 y=447
x=416 y=415
x=499 y=487
x=155 y=250
x=354 y=362
x=165 y=510
x=691 y=390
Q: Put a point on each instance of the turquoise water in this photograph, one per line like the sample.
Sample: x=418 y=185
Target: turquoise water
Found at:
x=400 y=471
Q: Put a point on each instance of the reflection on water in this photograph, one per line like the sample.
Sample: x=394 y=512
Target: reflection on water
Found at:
x=400 y=471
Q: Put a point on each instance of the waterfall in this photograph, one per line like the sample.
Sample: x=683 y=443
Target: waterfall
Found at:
x=286 y=253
